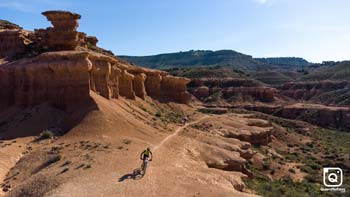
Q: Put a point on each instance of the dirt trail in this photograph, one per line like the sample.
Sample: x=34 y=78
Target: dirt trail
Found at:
x=177 y=132
x=10 y=155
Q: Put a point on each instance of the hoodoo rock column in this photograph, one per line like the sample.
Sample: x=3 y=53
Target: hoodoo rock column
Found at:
x=63 y=35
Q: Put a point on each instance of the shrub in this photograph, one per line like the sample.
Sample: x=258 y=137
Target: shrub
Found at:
x=46 y=134
x=307 y=169
x=266 y=165
x=291 y=170
x=54 y=159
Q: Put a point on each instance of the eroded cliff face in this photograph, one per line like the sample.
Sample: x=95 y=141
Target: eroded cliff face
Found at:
x=59 y=78
x=65 y=79
x=333 y=117
x=12 y=43
x=65 y=76
x=232 y=90
x=336 y=93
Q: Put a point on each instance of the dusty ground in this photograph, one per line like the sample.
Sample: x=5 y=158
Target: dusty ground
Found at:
x=208 y=156
x=96 y=157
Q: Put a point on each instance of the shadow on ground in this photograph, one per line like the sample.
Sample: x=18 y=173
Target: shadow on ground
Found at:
x=135 y=175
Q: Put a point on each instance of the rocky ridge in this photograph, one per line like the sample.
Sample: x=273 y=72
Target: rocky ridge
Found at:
x=66 y=73
x=232 y=89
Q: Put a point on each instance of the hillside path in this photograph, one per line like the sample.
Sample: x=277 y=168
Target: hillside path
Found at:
x=177 y=131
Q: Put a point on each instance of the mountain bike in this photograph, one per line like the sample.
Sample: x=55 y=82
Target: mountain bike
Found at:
x=142 y=171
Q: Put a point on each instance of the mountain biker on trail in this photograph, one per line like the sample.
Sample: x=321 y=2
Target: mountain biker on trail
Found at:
x=145 y=155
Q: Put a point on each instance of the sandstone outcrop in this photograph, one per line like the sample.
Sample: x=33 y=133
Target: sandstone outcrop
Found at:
x=175 y=87
x=223 y=82
x=325 y=92
x=333 y=117
x=264 y=94
x=232 y=90
x=92 y=40
x=63 y=35
x=126 y=85
x=153 y=83
x=12 y=43
x=65 y=78
x=139 y=85
x=58 y=78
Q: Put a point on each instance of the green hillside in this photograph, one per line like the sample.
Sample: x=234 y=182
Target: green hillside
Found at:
x=286 y=62
x=338 y=71
x=207 y=72
x=199 y=58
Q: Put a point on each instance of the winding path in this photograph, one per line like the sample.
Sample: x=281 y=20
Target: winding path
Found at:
x=177 y=131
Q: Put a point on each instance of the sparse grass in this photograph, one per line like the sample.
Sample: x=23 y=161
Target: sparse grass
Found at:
x=80 y=166
x=66 y=163
x=64 y=170
x=279 y=188
x=87 y=166
x=54 y=159
x=46 y=134
x=126 y=141
x=266 y=165
x=158 y=114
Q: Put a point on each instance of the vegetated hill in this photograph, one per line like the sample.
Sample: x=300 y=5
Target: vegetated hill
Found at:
x=337 y=71
x=286 y=62
x=207 y=72
x=199 y=58
x=339 y=97
x=272 y=77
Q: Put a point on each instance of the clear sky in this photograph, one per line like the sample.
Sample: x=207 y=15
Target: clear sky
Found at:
x=314 y=29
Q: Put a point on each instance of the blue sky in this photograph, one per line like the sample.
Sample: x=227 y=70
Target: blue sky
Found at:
x=314 y=29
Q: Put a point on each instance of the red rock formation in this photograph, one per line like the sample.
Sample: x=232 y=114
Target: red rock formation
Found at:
x=153 y=83
x=92 y=40
x=223 y=82
x=265 y=94
x=102 y=79
x=201 y=92
x=58 y=78
x=12 y=43
x=308 y=90
x=176 y=88
x=63 y=35
x=334 y=117
x=65 y=78
x=139 y=85
x=230 y=88
x=126 y=84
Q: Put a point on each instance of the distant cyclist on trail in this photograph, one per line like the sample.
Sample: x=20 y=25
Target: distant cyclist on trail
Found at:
x=184 y=120
x=145 y=155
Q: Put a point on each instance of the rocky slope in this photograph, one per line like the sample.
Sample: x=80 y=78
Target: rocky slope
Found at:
x=331 y=117
x=231 y=90
x=326 y=92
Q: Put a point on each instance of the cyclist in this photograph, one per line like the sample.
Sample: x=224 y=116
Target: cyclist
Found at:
x=145 y=155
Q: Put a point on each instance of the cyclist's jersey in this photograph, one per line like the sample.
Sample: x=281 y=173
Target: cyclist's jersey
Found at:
x=146 y=152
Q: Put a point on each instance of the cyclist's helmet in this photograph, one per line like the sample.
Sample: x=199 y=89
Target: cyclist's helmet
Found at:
x=148 y=148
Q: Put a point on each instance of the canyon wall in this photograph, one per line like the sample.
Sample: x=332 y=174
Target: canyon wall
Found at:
x=335 y=93
x=332 y=117
x=232 y=89
x=60 y=79
x=12 y=43
x=65 y=79
x=66 y=74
